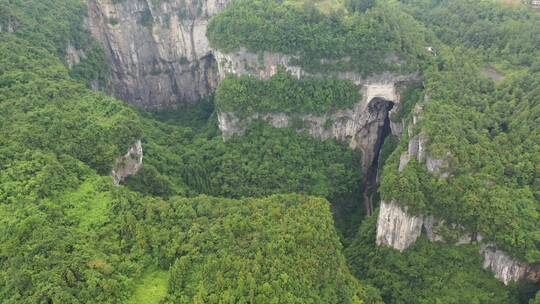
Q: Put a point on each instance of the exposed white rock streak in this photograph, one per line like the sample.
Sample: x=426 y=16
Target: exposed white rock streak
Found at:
x=505 y=267
x=396 y=228
x=129 y=164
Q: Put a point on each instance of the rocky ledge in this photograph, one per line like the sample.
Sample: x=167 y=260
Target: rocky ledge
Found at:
x=128 y=164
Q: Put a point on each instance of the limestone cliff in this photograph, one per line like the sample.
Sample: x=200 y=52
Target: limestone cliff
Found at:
x=396 y=228
x=505 y=267
x=128 y=164
x=399 y=229
x=362 y=125
x=158 y=50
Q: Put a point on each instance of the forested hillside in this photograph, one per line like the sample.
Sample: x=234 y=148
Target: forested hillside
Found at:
x=349 y=37
x=485 y=130
x=274 y=215
x=69 y=235
x=425 y=272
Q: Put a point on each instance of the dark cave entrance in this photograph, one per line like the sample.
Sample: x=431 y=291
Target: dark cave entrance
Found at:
x=379 y=109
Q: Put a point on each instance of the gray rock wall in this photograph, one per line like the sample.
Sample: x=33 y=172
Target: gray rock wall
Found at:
x=505 y=268
x=159 y=53
x=396 y=228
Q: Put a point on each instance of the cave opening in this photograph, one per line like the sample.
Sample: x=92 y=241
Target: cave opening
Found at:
x=380 y=109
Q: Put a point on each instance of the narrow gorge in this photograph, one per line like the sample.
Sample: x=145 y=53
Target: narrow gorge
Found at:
x=160 y=58
x=363 y=127
x=269 y=151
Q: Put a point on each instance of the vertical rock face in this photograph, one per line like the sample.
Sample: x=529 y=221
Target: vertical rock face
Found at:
x=399 y=230
x=396 y=228
x=129 y=164
x=158 y=50
x=504 y=267
x=417 y=149
x=265 y=64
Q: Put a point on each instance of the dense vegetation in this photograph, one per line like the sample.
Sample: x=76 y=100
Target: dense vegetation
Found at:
x=246 y=95
x=481 y=115
x=282 y=162
x=366 y=42
x=252 y=251
x=500 y=32
x=426 y=272
x=487 y=134
x=68 y=235
x=262 y=162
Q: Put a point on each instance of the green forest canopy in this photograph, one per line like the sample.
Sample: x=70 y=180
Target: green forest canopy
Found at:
x=357 y=41
x=486 y=132
x=67 y=235
x=246 y=95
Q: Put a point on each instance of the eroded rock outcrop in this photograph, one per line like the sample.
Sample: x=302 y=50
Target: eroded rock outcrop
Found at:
x=128 y=164
x=505 y=267
x=158 y=50
x=399 y=229
x=396 y=228
x=417 y=149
